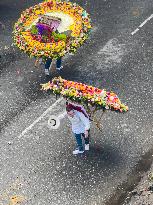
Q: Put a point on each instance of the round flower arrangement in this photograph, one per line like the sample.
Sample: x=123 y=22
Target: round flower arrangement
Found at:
x=52 y=29
x=84 y=94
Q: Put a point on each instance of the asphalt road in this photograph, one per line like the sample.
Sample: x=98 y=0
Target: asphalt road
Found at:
x=36 y=163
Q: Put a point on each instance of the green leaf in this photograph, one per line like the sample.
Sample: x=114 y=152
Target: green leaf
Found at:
x=34 y=30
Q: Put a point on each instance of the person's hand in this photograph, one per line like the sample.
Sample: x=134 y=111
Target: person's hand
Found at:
x=86 y=133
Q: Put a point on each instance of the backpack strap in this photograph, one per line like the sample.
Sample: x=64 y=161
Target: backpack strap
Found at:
x=77 y=108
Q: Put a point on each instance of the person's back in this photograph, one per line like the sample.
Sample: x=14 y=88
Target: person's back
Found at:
x=80 y=123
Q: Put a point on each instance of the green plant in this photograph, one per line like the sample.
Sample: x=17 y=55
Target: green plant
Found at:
x=34 y=30
x=59 y=36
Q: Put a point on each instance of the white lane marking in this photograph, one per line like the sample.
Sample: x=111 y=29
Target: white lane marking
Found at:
x=39 y=118
x=135 y=31
x=142 y=24
x=148 y=19
x=61 y=116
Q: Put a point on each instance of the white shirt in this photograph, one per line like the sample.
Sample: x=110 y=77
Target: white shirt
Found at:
x=79 y=122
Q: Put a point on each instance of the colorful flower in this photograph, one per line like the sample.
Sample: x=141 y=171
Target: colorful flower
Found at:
x=25 y=34
x=82 y=93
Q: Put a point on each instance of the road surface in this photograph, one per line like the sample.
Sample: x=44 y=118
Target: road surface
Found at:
x=36 y=163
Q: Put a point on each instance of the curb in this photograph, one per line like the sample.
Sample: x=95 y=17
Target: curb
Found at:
x=122 y=192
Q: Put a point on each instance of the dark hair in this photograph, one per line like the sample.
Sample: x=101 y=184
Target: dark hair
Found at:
x=69 y=108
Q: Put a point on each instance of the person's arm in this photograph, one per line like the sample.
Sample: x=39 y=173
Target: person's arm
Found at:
x=85 y=121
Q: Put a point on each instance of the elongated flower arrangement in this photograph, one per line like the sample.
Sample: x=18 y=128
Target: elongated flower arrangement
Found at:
x=52 y=29
x=85 y=94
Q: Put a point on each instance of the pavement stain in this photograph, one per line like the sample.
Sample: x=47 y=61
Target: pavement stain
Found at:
x=16 y=200
x=12 y=200
x=136 y=12
x=8 y=198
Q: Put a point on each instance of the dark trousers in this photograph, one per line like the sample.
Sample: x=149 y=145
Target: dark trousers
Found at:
x=79 y=140
x=49 y=61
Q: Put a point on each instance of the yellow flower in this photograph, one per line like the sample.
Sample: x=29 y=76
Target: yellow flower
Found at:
x=80 y=25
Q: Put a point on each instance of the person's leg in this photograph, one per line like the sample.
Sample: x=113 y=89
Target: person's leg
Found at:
x=86 y=140
x=59 y=63
x=79 y=142
x=38 y=62
x=47 y=65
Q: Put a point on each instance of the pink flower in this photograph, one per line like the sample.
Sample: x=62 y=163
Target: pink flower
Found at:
x=111 y=98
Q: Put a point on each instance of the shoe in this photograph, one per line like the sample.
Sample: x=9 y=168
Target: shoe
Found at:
x=59 y=68
x=87 y=147
x=46 y=72
x=40 y=61
x=78 y=151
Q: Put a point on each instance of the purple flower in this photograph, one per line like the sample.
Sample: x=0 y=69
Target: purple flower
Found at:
x=42 y=28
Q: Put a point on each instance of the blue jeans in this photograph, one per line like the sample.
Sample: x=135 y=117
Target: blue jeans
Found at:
x=49 y=61
x=79 y=140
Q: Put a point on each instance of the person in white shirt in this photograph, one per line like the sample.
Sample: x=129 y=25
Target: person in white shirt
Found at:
x=80 y=128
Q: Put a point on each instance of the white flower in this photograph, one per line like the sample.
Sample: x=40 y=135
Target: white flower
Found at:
x=111 y=98
x=66 y=20
x=102 y=94
x=107 y=107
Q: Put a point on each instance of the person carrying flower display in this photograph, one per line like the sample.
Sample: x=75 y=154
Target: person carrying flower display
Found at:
x=80 y=128
x=50 y=30
x=48 y=65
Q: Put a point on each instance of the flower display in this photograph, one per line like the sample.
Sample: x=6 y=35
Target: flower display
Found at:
x=52 y=29
x=85 y=94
